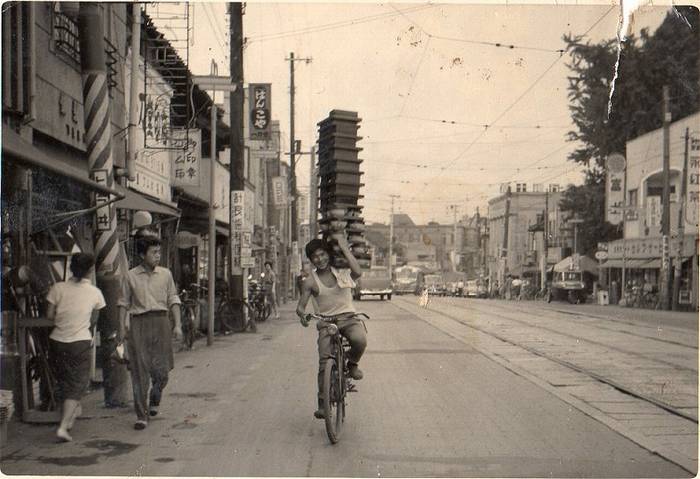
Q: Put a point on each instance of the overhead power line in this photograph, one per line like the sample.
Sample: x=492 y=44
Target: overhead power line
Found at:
x=332 y=26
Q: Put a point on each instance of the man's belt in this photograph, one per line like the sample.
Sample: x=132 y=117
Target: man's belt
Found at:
x=150 y=313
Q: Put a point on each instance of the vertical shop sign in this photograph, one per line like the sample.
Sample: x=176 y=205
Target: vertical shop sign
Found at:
x=693 y=189
x=103 y=216
x=259 y=111
x=279 y=191
x=237 y=220
x=186 y=157
x=653 y=211
x=615 y=188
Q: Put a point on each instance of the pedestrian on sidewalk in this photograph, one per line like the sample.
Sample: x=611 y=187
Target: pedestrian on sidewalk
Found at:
x=73 y=306
x=148 y=294
x=270 y=285
x=331 y=289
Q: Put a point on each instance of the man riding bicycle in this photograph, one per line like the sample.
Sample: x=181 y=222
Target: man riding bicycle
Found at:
x=331 y=289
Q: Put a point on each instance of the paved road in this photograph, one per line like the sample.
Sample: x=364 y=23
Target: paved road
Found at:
x=431 y=404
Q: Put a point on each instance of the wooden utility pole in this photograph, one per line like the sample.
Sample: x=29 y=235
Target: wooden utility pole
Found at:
x=504 y=252
x=292 y=146
x=681 y=226
x=666 y=200
x=391 y=237
x=237 y=151
x=545 y=240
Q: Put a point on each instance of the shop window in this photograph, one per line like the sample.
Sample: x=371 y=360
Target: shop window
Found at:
x=633 y=197
x=65 y=34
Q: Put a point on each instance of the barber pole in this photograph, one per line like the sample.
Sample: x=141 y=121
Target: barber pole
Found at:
x=98 y=136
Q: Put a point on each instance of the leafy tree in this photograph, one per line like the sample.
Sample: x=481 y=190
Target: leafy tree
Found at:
x=671 y=56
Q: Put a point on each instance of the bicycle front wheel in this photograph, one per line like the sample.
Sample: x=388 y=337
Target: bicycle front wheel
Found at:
x=333 y=401
x=189 y=327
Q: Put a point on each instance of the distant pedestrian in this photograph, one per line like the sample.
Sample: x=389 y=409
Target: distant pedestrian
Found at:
x=424 y=300
x=73 y=306
x=270 y=285
x=148 y=294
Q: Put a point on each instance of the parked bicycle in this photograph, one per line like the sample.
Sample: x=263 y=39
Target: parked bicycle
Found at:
x=189 y=298
x=336 y=378
x=257 y=298
x=228 y=320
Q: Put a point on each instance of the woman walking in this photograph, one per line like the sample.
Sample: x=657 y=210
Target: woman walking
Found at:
x=73 y=307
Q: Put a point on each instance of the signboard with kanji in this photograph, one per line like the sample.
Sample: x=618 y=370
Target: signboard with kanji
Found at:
x=186 y=157
x=615 y=188
x=279 y=191
x=693 y=187
x=259 y=110
x=237 y=220
x=653 y=211
x=103 y=215
x=152 y=136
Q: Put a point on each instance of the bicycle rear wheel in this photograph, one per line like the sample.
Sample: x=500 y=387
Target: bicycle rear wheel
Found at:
x=189 y=328
x=333 y=401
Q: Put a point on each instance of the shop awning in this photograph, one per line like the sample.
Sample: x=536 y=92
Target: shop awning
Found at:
x=16 y=148
x=222 y=230
x=134 y=200
x=632 y=263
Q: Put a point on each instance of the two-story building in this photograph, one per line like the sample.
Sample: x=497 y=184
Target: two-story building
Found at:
x=637 y=256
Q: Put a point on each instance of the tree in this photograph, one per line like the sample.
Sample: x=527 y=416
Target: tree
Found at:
x=671 y=56
x=588 y=201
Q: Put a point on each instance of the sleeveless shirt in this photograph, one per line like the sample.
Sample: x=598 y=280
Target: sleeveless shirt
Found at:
x=335 y=300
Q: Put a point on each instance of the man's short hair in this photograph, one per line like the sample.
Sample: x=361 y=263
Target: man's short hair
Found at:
x=316 y=244
x=145 y=242
x=268 y=262
x=81 y=263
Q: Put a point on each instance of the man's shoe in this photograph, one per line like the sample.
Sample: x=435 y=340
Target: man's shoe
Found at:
x=153 y=410
x=354 y=372
x=140 y=425
x=320 y=414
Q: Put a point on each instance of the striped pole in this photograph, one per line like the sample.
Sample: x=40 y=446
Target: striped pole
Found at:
x=98 y=135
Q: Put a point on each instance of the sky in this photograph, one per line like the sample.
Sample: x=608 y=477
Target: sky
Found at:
x=426 y=79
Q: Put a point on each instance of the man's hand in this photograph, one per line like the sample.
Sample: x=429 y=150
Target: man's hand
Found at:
x=122 y=333
x=304 y=320
x=177 y=332
x=339 y=237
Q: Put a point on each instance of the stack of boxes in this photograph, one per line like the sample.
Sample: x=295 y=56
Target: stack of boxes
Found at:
x=339 y=187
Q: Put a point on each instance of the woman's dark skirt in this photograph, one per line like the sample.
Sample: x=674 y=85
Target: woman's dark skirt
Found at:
x=71 y=362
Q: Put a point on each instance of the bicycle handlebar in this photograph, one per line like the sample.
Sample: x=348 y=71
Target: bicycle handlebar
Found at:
x=321 y=317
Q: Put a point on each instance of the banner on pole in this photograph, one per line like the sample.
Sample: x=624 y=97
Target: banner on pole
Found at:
x=259 y=111
x=103 y=215
x=237 y=220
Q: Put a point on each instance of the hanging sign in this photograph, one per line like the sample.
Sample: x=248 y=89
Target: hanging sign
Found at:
x=279 y=191
x=186 y=157
x=614 y=188
x=237 y=221
x=103 y=215
x=259 y=111
x=693 y=187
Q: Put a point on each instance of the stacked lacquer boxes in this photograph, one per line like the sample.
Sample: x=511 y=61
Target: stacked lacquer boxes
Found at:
x=339 y=187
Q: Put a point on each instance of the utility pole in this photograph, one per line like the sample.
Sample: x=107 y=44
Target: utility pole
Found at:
x=681 y=226
x=454 y=236
x=504 y=252
x=391 y=237
x=666 y=199
x=313 y=196
x=545 y=240
x=292 y=148
x=236 y=168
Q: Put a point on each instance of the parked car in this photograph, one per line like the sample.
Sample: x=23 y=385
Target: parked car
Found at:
x=475 y=289
x=374 y=282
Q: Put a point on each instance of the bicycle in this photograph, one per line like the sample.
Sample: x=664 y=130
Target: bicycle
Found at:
x=188 y=315
x=336 y=380
x=227 y=311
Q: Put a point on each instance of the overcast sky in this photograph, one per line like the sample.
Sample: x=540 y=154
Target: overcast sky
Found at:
x=425 y=79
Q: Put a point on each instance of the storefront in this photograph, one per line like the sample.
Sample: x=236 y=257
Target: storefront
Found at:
x=47 y=216
x=637 y=263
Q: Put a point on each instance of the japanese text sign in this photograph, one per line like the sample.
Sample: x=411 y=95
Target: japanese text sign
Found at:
x=615 y=188
x=103 y=215
x=693 y=187
x=259 y=110
x=279 y=191
x=186 y=157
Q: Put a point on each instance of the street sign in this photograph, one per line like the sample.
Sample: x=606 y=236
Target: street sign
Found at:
x=614 y=188
x=601 y=255
x=693 y=187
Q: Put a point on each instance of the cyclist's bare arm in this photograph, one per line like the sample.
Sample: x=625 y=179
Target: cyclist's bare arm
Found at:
x=355 y=270
x=306 y=292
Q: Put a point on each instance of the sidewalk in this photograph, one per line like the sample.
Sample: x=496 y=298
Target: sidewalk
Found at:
x=96 y=418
